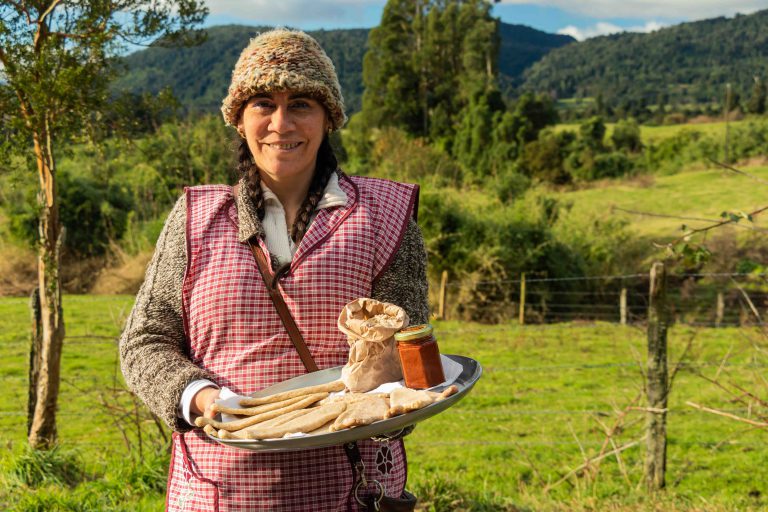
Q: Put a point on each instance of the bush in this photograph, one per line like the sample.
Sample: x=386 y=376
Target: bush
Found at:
x=397 y=156
x=626 y=136
x=544 y=159
x=91 y=213
x=482 y=243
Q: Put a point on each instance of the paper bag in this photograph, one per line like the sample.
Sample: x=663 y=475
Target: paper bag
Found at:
x=370 y=327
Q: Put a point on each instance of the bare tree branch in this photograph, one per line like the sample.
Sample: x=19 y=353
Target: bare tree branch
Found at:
x=709 y=228
x=740 y=172
x=728 y=415
x=678 y=217
x=596 y=459
x=749 y=301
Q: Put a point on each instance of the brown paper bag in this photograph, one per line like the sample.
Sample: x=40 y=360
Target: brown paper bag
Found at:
x=370 y=327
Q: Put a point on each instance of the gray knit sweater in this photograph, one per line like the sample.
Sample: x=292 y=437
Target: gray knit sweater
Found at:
x=153 y=351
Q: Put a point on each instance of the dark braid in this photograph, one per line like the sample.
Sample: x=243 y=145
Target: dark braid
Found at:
x=326 y=166
x=250 y=172
x=324 y=169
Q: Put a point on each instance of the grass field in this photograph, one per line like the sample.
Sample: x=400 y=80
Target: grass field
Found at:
x=654 y=134
x=541 y=407
x=703 y=194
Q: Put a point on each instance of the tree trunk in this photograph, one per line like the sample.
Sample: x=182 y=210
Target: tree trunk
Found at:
x=35 y=344
x=42 y=431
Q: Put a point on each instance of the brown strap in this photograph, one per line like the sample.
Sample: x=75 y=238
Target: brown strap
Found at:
x=272 y=285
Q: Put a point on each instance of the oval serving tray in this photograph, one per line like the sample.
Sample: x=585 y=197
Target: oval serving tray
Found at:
x=471 y=372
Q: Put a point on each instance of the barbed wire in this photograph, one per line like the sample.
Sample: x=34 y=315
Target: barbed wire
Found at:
x=602 y=277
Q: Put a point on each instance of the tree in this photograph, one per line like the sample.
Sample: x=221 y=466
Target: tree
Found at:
x=426 y=61
x=56 y=58
x=756 y=103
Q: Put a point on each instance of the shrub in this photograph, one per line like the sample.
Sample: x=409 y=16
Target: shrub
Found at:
x=626 y=136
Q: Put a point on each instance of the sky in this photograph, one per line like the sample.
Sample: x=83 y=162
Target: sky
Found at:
x=578 y=18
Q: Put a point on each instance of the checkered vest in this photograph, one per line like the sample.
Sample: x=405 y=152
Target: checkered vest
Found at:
x=235 y=333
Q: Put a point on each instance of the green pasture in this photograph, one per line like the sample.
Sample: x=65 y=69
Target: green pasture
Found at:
x=654 y=134
x=541 y=409
x=697 y=194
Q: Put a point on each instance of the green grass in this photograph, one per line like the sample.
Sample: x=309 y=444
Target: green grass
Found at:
x=545 y=392
x=654 y=134
x=702 y=194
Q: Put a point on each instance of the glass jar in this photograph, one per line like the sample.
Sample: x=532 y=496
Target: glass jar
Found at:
x=419 y=357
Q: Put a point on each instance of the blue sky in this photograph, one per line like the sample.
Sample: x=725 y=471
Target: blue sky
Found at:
x=579 y=18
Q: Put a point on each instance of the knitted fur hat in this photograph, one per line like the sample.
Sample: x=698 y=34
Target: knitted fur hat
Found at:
x=281 y=60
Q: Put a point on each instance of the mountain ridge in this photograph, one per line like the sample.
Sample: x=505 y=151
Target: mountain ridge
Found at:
x=685 y=63
x=151 y=69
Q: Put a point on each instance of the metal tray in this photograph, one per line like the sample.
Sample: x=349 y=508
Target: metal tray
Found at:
x=471 y=372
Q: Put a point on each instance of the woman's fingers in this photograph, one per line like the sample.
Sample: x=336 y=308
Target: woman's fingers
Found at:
x=203 y=400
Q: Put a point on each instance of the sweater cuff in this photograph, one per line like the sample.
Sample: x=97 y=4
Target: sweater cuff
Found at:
x=183 y=409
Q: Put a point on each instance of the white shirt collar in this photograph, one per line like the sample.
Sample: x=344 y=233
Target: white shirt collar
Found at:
x=332 y=196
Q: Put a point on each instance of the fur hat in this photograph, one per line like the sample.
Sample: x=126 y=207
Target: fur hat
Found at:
x=281 y=60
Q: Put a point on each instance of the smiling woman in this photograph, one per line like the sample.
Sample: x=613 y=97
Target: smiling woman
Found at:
x=204 y=322
x=284 y=132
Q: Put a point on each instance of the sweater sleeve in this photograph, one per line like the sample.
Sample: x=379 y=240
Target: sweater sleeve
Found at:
x=404 y=282
x=153 y=357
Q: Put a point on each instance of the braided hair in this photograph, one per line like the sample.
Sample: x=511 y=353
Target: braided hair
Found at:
x=326 y=165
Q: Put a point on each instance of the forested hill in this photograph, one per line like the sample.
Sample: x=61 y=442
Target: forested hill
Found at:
x=199 y=76
x=685 y=63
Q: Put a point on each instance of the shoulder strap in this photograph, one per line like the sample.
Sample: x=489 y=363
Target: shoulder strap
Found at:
x=294 y=333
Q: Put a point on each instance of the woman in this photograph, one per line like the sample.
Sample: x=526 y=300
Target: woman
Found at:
x=203 y=319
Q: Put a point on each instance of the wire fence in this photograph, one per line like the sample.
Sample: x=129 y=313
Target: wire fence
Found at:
x=697 y=299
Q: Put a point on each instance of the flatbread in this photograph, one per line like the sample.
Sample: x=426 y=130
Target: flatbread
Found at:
x=314 y=419
x=404 y=400
x=201 y=421
x=363 y=411
x=329 y=387
x=253 y=411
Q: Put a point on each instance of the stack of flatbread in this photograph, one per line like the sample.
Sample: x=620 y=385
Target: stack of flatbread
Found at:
x=313 y=410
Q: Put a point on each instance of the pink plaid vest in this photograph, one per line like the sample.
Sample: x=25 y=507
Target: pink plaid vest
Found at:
x=235 y=333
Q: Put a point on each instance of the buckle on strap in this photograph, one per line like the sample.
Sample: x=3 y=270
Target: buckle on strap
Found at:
x=358 y=466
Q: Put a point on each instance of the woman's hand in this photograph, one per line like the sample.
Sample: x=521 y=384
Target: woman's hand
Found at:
x=203 y=400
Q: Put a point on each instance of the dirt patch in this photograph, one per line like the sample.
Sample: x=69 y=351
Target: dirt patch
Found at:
x=124 y=277
x=18 y=271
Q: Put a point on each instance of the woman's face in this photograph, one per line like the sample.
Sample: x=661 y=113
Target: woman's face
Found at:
x=284 y=131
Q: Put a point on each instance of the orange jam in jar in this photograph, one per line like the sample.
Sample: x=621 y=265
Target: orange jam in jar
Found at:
x=419 y=357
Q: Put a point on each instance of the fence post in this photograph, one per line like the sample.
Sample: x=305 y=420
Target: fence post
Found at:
x=443 y=292
x=522 y=298
x=720 y=309
x=656 y=454
x=623 y=306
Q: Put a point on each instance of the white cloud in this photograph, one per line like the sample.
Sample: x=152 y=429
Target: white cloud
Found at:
x=603 y=28
x=644 y=9
x=293 y=12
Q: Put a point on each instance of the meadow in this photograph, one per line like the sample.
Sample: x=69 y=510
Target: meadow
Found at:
x=653 y=134
x=542 y=408
x=698 y=193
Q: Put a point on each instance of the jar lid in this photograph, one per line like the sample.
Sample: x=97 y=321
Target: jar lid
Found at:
x=414 y=332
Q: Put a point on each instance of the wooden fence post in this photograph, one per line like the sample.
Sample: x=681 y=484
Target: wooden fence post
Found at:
x=720 y=309
x=522 y=298
x=443 y=291
x=656 y=454
x=623 y=306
